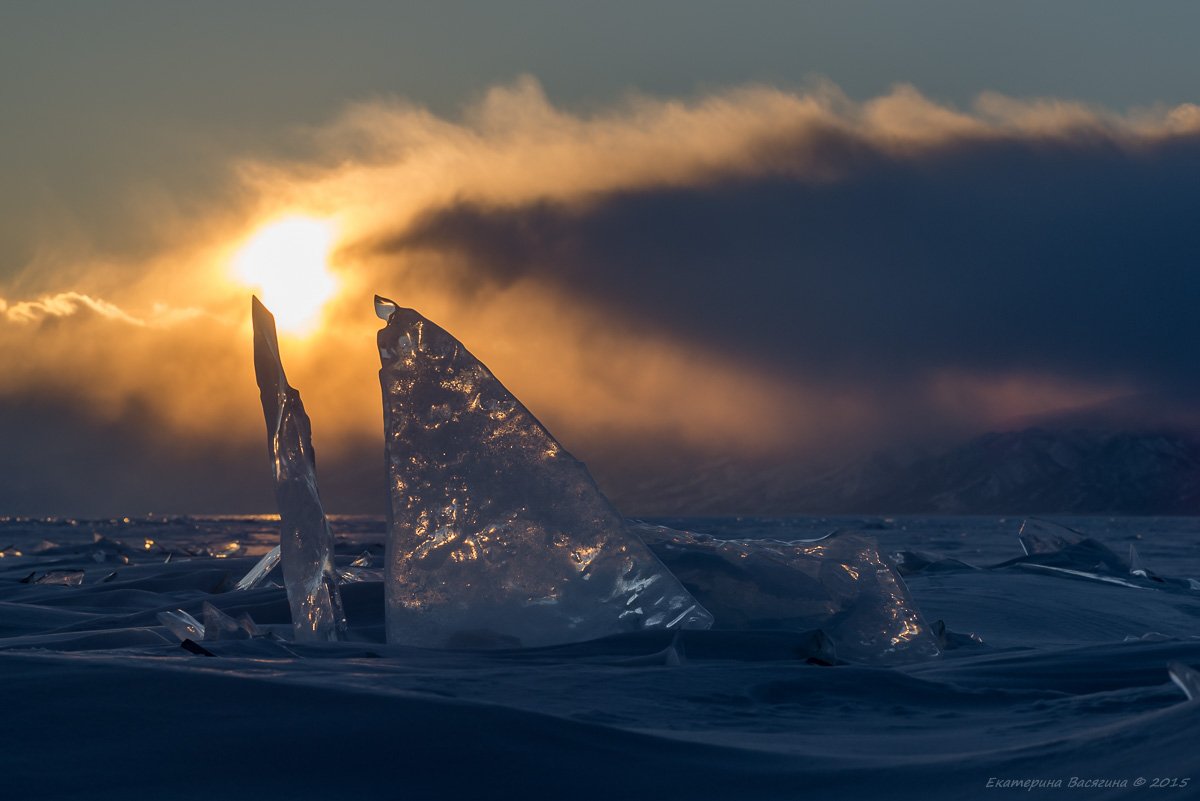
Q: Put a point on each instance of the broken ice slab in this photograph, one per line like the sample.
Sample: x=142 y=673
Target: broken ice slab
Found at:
x=839 y=584
x=1041 y=538
x=62 y=578
x=181 y=624
x=497 y=535
x=1054 y=548
x=258 y=573
x=306 y=541
x=948 y=640
x=223 y=550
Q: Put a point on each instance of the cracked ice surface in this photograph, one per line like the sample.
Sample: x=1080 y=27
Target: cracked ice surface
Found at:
x=839 y=584
x=306 y=542
x=498 y=536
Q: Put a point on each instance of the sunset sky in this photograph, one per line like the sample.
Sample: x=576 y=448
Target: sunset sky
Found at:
x=681 y=232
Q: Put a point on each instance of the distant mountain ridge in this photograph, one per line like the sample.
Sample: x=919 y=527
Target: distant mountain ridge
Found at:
x=1045 y=471
x=1037 y=470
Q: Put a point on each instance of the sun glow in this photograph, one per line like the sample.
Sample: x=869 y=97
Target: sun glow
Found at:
x=288 y=262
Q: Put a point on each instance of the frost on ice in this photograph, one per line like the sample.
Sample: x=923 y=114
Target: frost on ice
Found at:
x=839 y=584
x=496 y=535
x=305 y=539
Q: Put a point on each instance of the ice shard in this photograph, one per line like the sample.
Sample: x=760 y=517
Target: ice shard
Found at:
x=839 y=584
x=497 y=535
x=1054 y=548
x=305 y=539
x=257 y=574
x=181 y=624
x=1185 y=678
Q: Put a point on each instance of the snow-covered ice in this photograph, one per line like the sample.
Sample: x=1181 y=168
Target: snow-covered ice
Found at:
x=1076 y=678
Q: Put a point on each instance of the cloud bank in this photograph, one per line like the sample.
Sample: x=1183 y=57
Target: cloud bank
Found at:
x=753 y=275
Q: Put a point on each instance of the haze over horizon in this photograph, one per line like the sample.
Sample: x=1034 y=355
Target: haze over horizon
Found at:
x=680 y=233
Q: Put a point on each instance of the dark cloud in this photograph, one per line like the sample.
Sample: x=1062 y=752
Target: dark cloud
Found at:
x=753 y=286
x=1074 y=254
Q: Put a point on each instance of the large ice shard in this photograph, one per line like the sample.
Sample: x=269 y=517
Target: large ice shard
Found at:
x=305 y=539
x=497 y=535
x=840 y=584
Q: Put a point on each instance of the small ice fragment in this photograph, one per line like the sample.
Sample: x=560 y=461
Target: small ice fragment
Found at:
x=181 y=624
x=109 y=577
x=63 y=578
x=260 y=570
x=819 y=649
x=304 y=533
x=495 y=533
x=218 y=625
x=384 y=308
x=1136 y=568
x=1186 y=678
x=349 y=575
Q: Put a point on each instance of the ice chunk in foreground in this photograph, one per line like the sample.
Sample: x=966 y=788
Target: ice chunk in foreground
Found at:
x=306 y=542
x=496 y=535
x=839 y=584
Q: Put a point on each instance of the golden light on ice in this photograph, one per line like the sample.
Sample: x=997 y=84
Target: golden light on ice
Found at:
x=288 y=262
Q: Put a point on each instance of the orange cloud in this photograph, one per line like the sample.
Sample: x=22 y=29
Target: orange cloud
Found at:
x=169 y=329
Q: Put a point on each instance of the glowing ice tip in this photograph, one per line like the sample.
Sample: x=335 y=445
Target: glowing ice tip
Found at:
x=288 y=262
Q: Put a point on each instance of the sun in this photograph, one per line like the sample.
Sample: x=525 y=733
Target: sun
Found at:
x=288 y=262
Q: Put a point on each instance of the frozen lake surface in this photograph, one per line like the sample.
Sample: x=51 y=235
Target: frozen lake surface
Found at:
x=1071 y=681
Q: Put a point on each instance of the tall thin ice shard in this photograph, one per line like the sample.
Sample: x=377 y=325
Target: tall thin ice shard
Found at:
x=497 y=535
x=305 y=539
